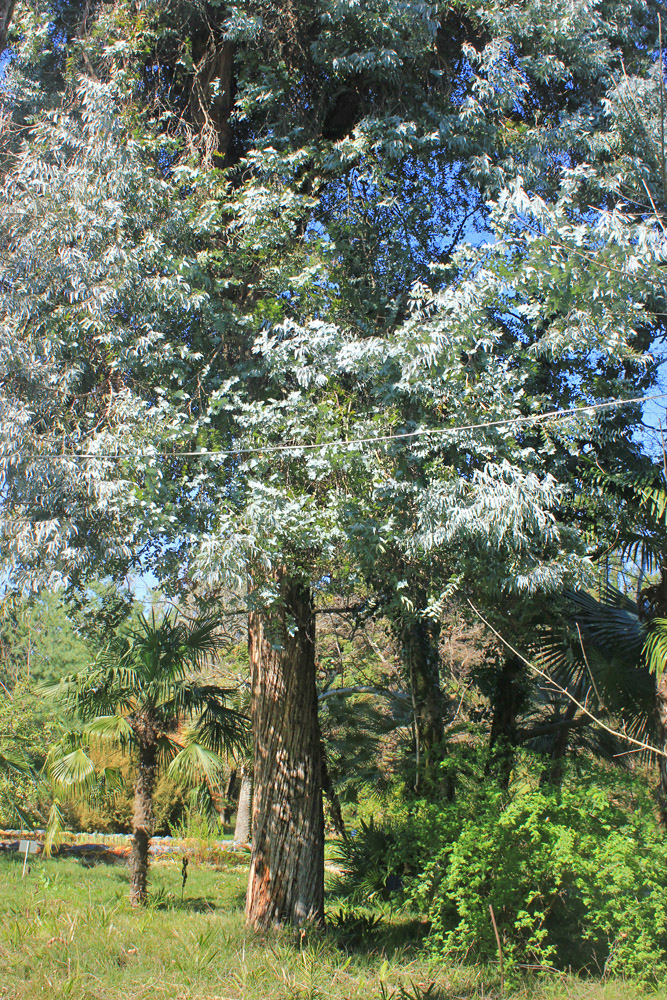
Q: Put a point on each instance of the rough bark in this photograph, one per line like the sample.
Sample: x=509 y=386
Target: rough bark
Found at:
x=211 y=91
x=142 y=820
x=286 y=883
x=242 y=830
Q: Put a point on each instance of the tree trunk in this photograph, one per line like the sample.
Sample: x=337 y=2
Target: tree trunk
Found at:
x=142 y=821
x=329 y=790
x=508 y=701
x=230 y=794
x=242 y=831
x=286 y=883
x=553 y=774
x=420 y=654
x=211 y=90
x=661 y=704
x=653 y=603
x=6 y=14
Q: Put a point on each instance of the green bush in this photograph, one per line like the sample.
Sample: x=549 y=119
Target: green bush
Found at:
x=577 y=879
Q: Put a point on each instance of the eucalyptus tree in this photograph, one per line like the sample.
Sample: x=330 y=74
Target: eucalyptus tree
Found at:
x=538 y=76
x=234 y=274
x=144 y=695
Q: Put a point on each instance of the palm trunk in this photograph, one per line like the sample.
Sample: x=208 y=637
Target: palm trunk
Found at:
x=142 y=821
x=286 y=883
x=553 y=774
x=329 y=791
x=242 y=831
x=654 y=600
x=230 y=794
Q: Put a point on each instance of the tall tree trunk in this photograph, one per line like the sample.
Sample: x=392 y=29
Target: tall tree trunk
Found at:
x=420 y=654
x=242 y=831
x=142 y=821
x=286 y=883
x=211 y=90
x=508 y=701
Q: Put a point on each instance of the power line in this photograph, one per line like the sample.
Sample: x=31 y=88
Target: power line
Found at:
x=424 y=432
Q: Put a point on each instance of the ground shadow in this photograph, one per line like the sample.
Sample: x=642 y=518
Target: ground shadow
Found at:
x=370 y=931
x=170 y=901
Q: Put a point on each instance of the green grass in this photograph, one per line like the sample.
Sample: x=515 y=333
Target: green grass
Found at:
x=67 y=930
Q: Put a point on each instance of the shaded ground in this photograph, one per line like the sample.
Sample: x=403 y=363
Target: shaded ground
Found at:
x=67 y=931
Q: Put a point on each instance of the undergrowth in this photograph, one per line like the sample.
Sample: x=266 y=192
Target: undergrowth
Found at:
x=68 y=931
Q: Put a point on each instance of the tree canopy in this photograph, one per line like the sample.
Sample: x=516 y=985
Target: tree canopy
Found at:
x=323 y=298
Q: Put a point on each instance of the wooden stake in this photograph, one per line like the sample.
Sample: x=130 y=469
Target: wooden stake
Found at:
x=500 y=951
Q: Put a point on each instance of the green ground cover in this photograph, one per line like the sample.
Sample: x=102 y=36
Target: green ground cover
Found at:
x=67 y=930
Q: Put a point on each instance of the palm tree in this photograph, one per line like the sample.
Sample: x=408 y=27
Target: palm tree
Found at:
x=639 y=497
x=603 y=660
x=144 y=696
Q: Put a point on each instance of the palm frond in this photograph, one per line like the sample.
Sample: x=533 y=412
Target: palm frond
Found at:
x=172 y=647
x=641 y=497
x=223 y=730
x=110 y=783
x=167 y=749
x=97 y=691
x=55 y=827
x=611 y=624
x=202 y=802
x=73 y=773
x=655 y=647
x=601 y=659
x=14 y=759
x=114 y=729
x=196 y=764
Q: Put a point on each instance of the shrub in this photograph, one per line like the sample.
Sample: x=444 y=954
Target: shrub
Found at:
x=576 y=879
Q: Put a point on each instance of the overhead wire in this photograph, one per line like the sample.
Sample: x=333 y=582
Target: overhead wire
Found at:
x=345 y=444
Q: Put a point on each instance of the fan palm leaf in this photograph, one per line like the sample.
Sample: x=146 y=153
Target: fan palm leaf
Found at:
x=196 y=765
x=603 y=658
x=655 y=647
x=112 y=728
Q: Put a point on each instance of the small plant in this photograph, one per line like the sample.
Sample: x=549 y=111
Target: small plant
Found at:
x=576 y=880
x=161 y=899
x=414 y=991
x=370 y=864
x=354 y=929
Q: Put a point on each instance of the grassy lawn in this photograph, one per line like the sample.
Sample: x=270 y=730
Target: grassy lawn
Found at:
x=67 y=930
